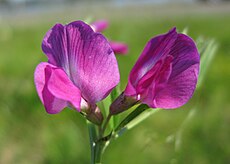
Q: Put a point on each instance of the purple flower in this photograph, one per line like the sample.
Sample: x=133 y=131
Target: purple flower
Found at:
x=81 y=69
x=118 y=47
x=164 y=76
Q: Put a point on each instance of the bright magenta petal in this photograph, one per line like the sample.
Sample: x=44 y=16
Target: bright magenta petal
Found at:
x=55 y=89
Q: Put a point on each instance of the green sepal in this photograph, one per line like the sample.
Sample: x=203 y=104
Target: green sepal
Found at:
x=115 y=118
x=134 y=118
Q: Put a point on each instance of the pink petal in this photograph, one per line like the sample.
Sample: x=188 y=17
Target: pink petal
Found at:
x=156 y=78
x=55 y=89
x=100 y=25
x=85 y=56
x=119 y=48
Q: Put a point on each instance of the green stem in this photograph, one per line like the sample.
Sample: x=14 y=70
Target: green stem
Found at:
x=99 y=150
x=97 y=143
x=92 y=139
x=105 y=125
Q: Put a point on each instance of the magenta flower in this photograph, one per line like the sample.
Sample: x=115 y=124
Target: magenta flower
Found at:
x=164 y=76
x=118 y=47
x=81 y=69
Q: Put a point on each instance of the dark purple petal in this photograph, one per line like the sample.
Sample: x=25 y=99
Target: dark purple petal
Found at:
x=86 y=57
x=119 y=48
x=100 y=25
x=55 y=89
x=185 y=54
x=157 y=48
x=54 y=46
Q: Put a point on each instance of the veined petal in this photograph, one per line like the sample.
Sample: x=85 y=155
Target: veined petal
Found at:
x=178 y=90
x=119 y=48
x=55 y=88
x=157 y=48
x=156 y=78
x=54 y=45
x=166 y=73
x=94 y=67
x=85 y=56
x=184 y=75
x=185 y=54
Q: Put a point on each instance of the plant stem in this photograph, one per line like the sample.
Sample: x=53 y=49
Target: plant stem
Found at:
x=99 y=150
x=105 y=125
x=97 y=143
x=92 y=139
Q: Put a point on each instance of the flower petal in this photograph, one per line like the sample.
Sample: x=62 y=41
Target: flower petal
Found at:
x=94 y=67
x=157 y=48
x=179 y=89
x=185 y=54
x=54 y=45
x=85 y=56
x=119 y=48
x=166 y=73
x=100 y=25
x=55 y=89
x=184 y=75
x=154 y=79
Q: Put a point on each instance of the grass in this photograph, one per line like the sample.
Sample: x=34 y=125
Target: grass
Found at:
x=29 y=135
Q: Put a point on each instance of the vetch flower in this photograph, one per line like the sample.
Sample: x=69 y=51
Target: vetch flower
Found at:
x=118 y=47
x=164 y=76
x=81 y=69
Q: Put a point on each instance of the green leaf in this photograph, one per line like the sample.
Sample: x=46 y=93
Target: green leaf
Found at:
x=107 y=103
x=114 y=94
x=207 y=49
x=88 y=20
x=179 y=134
x=185 y=31
x=135 y=117
x=92 y=139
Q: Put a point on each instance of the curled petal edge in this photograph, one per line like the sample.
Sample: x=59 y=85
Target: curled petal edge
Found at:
x=55 y=89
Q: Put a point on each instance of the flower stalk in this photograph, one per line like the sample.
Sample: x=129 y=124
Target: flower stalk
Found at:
x=98 y=143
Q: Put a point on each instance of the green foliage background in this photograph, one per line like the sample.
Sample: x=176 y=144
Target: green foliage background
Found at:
x=29 y=135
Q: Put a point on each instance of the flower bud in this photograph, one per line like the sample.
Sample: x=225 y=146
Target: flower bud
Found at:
x=92 y=113
x=95 y=116
x=122 y=103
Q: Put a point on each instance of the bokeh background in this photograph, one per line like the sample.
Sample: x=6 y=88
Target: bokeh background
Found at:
x=29 y=135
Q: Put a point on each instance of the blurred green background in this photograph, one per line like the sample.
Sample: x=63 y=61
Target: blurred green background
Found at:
x=29 y=135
